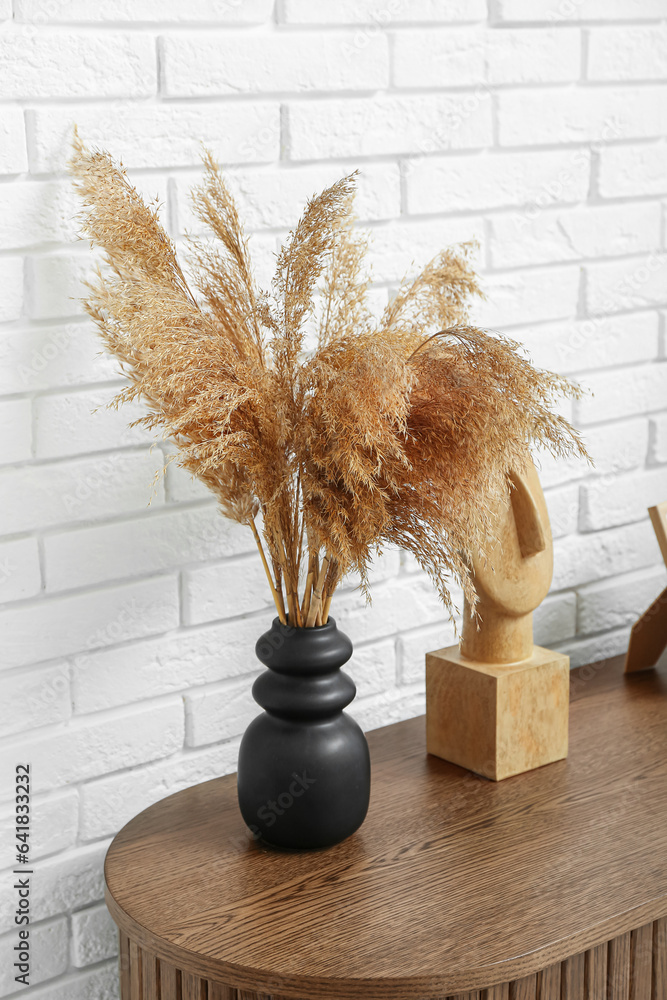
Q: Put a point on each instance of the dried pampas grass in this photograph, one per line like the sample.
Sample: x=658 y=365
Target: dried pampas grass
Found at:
x=399 y=432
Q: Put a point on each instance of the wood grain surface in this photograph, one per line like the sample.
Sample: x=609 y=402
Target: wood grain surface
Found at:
x=658 y=515
x=452 y=885
x=497 y=719
x=637 y=975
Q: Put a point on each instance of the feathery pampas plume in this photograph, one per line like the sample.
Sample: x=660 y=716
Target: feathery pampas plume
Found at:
x=398 y=432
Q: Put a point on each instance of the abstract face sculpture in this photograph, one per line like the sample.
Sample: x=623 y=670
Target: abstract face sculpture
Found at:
x=513 y=577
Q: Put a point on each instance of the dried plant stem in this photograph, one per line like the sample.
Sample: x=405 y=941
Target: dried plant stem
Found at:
x=316 y=600
x=277 y=596
x=305 y=607
x=332 y=583
x=291 y=612
x=298 y=620
x=316 y=573
x=327 y=608
x=279 y=588
x=295 y=585
x=287 y=565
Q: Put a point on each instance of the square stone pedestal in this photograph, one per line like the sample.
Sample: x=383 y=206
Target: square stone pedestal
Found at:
x=497 y=719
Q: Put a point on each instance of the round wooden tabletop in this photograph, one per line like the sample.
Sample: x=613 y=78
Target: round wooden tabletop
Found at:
x=453 y=882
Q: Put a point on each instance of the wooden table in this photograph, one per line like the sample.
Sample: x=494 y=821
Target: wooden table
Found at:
x=550 y=885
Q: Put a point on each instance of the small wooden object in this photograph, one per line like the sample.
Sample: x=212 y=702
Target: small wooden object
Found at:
x=498 y=705
x=648 y=638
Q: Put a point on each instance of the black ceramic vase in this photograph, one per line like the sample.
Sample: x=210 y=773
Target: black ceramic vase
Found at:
x=304 y=767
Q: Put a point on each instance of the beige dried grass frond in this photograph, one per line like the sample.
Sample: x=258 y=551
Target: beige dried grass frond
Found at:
x=301 y=262
x=346 y=283
x=224 y=271
x=400 y=432
x=437 y=299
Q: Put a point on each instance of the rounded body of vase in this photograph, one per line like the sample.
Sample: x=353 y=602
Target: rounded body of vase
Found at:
x=304 y=766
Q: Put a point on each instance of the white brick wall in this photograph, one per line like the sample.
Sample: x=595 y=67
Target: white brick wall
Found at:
x=126 y=642
x=49 y=943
